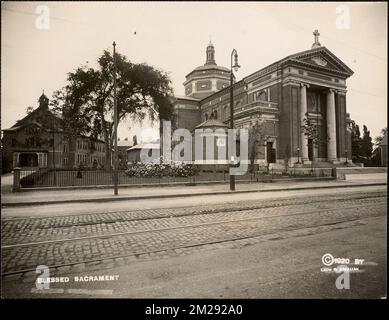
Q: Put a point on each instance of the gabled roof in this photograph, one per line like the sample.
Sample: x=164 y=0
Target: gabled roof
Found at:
x=305 y=59
x=329 y=62
x=25 y=120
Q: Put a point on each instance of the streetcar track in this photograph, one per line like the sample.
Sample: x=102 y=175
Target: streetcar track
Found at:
x=171 y=248
x=198 y=212
x=110 y=235
x=161 y=217
x=206 y=211
x=168 y=244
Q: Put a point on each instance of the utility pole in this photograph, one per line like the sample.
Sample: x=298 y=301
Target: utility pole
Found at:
x=55 y=178
x=115 y=125
x=235 y=67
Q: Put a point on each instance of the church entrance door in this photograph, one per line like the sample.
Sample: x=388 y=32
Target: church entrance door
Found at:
x=270 y=152
x=310 y=150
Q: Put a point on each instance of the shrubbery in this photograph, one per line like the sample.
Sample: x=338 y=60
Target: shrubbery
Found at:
x=162 y=170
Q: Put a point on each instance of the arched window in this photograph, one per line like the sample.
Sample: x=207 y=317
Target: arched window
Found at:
x=215 y=114
x=225 y=111
x=261 y=95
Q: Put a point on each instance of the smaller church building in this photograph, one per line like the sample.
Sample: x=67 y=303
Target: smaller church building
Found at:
x=38 y=141
x=308 y=85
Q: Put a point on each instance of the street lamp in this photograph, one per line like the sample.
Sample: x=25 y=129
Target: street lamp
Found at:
x=234 y=67
x=298 y=155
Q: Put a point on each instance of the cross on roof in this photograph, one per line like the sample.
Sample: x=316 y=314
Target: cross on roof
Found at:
x=316 y=34
x=316 y=44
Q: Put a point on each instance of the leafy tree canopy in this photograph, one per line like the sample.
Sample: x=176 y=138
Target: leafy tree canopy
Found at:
x=87 y=101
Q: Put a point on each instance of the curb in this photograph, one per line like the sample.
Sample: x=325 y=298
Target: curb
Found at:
x=110 y=199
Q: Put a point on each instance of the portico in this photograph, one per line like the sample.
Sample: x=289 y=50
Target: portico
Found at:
x=317 y=117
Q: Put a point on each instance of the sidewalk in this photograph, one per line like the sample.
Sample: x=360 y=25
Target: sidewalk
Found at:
x=103 y=195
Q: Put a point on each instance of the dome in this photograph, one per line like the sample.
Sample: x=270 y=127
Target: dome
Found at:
x=215 y=67
x=208 y=78
x=210 y=63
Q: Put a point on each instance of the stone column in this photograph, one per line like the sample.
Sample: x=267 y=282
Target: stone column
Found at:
x=331 y=126
x=303 y=114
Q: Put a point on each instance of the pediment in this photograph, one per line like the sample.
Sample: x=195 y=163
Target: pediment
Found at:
x=319 y=60
x=323 y=59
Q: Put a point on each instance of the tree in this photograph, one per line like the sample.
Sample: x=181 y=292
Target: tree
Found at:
x=375 y=160
x=355 y=143
x=86 y=102
x=366 y=145
x=312 y=132
x=362 y=148
x=378 y=139
x=256 y=136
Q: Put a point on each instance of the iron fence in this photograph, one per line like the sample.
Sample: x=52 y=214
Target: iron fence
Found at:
x=89 y=177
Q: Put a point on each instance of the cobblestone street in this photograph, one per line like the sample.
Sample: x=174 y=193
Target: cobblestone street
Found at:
x=94 y=239
x=93 y=242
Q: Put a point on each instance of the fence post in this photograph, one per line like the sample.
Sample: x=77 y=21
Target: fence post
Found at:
x=16 y=184
x=334 y=172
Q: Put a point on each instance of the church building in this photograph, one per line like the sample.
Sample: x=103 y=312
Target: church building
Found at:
x=308 y=85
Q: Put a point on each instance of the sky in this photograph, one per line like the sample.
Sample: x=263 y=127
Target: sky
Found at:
x=173 y=36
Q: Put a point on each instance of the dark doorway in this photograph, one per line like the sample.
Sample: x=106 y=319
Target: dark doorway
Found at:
x=28 y=160
x=270 y=152
x=310 y=150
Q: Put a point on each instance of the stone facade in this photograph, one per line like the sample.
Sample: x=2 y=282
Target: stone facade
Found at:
x=310 y=84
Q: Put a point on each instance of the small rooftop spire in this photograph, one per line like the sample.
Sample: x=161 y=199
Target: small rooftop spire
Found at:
x=43 y=101
x=210 y=54
x=316 y=44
